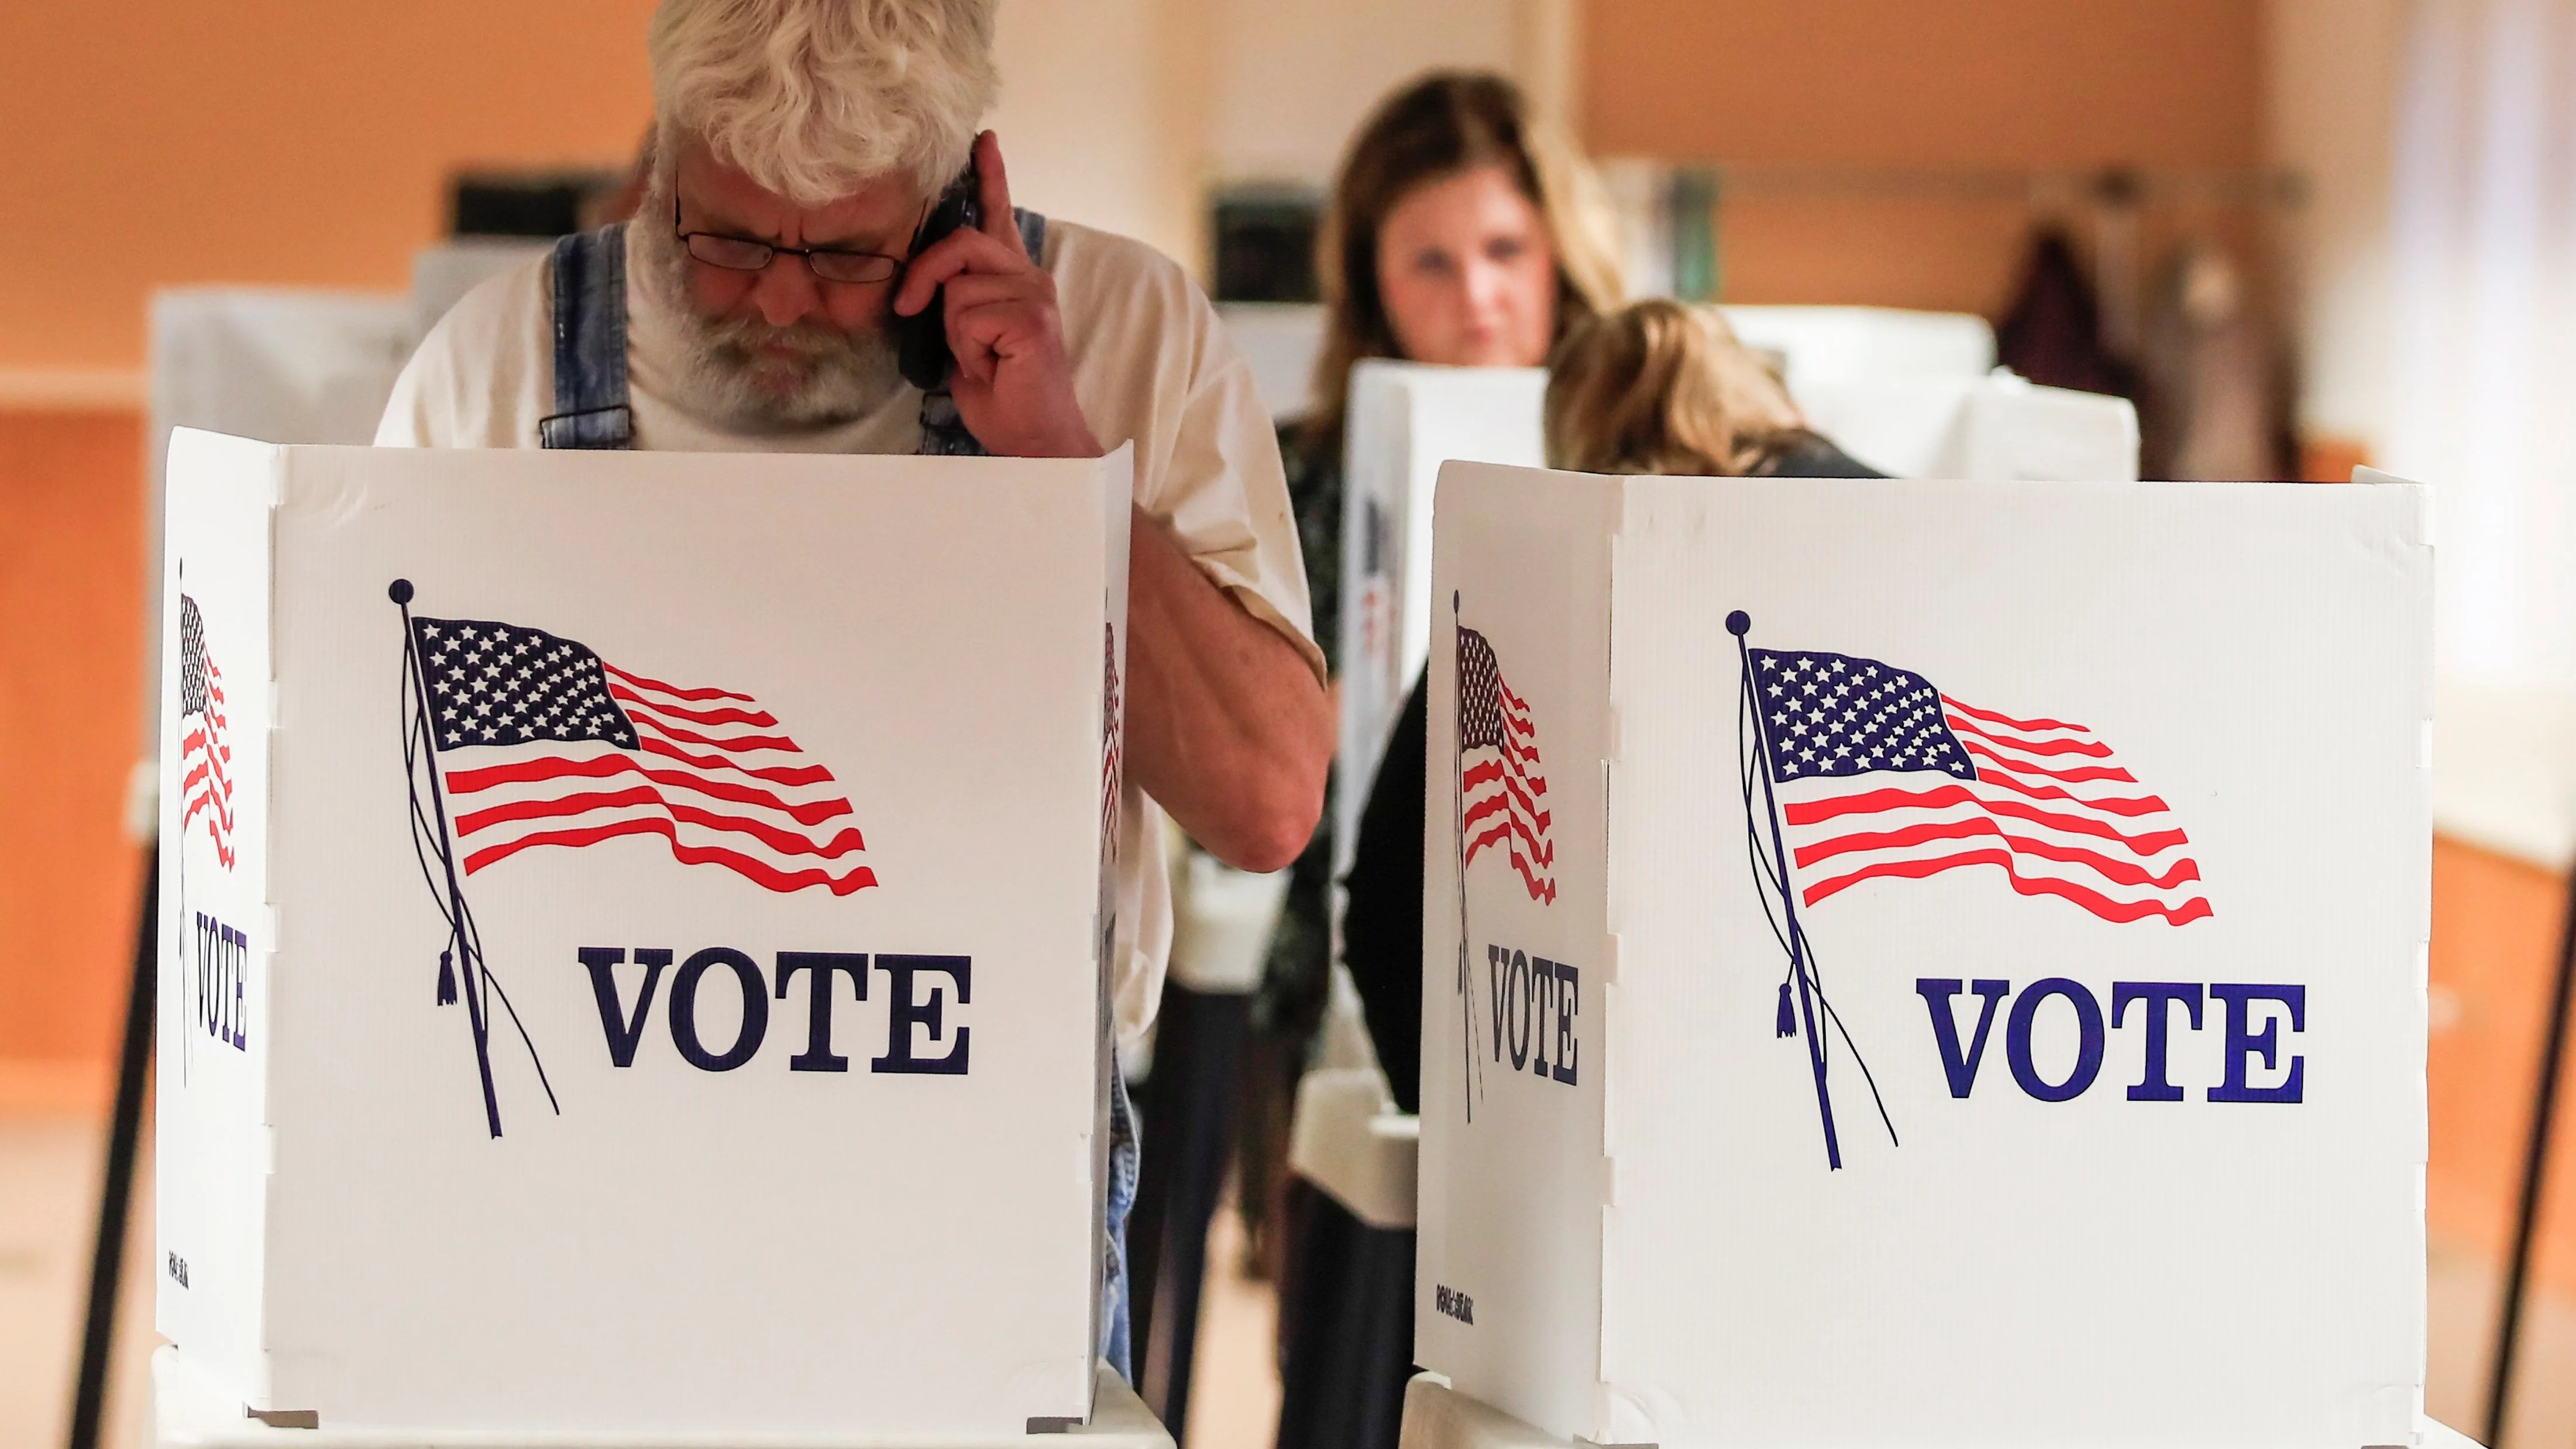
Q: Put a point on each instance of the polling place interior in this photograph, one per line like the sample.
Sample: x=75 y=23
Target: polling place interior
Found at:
x=2299 y=235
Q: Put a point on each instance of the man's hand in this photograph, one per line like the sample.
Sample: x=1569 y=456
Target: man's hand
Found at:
x=1226 y=726
x=1014 y=384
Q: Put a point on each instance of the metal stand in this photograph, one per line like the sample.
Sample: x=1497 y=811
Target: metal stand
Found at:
x=2535 y=1167
x=116 y=1196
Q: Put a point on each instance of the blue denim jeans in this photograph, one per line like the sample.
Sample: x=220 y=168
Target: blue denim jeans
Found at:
x=1122 y=1199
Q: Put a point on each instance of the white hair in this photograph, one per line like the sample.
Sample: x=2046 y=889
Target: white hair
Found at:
x=811 y=97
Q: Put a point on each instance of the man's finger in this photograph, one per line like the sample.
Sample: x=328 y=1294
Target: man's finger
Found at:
x=956 y=253
x=976 y=288
x=999 y=223
x=974 y=338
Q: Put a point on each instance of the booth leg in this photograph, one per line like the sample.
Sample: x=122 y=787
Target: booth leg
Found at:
x=2535 y=1171
x=115 y=1198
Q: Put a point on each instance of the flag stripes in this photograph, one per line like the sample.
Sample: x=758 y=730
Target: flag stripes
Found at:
x=593 y=752
x=1113 y=728
x=1503 y=797
x=205 y=756
x=2046 y=801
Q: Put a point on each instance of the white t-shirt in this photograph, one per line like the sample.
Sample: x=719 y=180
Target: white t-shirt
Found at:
x=1151 y=365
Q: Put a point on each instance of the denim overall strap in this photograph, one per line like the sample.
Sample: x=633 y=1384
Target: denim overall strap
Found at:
x=589 y=274
x=943 y=432
x=1115 y=1314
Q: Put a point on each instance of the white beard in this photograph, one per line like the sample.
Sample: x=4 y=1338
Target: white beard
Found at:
x=719 y=368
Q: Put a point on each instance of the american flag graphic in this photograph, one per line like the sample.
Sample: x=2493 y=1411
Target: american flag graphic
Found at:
x=1113 y=727
x=580 y=751
x=1881 y=775
x=205 y=758
x=1503 y=797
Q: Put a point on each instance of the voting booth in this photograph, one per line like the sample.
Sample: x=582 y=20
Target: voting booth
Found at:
x=1907 y=418
x=1927 y=963
x=1405 y=419
x=1838 y=344
x=586 y=1009
x=1998 y=428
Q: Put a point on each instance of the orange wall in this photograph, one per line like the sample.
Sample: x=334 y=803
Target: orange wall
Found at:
x=71 y=596
x=2496 y=926
x=1959 y=85
x=167 y=142
x=158 y=142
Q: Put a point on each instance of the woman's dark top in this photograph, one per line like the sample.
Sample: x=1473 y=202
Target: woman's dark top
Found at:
x=1382 y=919
x=1290 y=999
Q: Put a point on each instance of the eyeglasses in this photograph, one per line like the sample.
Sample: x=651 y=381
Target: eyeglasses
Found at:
x=741 y=254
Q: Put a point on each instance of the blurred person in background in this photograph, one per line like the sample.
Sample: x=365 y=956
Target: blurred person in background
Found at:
x=753 y=305
x=1663 y=387
x=1462 y=232
x=1656 y=387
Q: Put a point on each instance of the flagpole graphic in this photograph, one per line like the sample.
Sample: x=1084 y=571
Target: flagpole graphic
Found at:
x=430 y=837
x=205 y=788
x=1775 y=871
x=1471 y=1069
x=1499 y=800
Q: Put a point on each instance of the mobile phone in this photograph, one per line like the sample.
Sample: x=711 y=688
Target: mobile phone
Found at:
x=921 y=340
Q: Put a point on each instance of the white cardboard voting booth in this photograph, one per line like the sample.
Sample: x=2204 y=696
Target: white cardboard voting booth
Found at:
x=1933 y=963
x=1438 y=1417
x=1998 y=428
x=1406 y=420
x=586 y=1010
x=289 y=364
x=1839 y=344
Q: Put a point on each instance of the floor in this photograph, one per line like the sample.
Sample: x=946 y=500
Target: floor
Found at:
x=1235 y=1388
x=49 y=1171
x=49 y=1175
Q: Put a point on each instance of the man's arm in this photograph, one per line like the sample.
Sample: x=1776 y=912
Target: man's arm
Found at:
x=1227 y=727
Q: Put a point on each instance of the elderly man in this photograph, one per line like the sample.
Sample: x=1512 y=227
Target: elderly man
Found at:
x=752 y=305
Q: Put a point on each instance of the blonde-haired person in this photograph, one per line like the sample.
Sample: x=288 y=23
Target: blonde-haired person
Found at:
x=751 y=306
x=1654 y=387
x=1664 y=387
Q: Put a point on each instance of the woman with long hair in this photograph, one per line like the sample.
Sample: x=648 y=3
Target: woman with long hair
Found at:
x=1460 y=231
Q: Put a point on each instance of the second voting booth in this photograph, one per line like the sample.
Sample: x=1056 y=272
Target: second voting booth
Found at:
x=633 y=934
x=1407 y=419
x=1927 y=963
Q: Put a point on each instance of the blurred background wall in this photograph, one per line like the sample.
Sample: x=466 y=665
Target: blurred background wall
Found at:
x=1861 y=127
x=268 y=141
